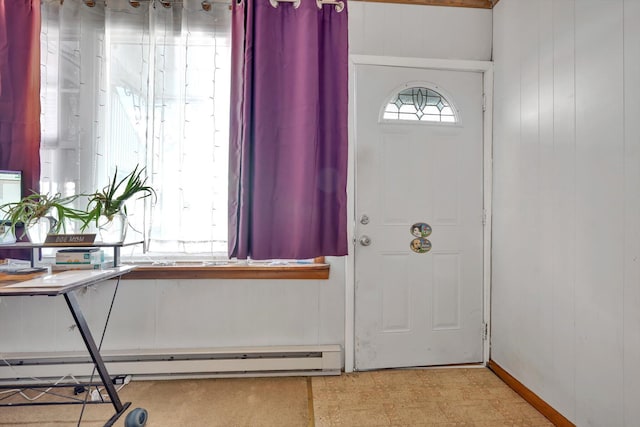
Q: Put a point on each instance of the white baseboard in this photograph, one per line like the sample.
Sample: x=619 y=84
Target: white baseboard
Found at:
x=179 y=363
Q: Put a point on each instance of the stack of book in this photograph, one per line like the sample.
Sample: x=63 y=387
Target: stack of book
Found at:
x=79 y=259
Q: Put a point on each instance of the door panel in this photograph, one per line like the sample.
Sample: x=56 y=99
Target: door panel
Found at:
x=418 y=309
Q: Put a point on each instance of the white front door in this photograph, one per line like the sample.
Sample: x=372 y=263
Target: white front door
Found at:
x=415 y=307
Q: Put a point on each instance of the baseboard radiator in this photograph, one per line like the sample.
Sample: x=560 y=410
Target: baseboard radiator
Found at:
x=178 y=363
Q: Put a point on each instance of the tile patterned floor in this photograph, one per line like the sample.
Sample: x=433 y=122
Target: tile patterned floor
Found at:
x=222 y=402
x=420 y=397
x=390 y=398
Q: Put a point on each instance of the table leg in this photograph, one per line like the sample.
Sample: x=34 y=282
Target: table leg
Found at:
x=94 y=352
x=116 y=256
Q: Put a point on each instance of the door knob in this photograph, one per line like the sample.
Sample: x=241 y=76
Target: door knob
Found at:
x=365 y=241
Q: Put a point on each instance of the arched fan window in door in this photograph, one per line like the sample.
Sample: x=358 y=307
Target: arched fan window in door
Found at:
x=420 y=104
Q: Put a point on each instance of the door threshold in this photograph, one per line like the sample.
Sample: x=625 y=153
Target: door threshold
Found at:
x=450 y=366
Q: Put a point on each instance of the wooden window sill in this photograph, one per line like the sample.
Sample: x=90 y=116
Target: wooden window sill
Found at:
x=317 y=271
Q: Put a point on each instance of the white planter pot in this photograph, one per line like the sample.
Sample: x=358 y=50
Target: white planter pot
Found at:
x=6 y=233
x=37 y=231
x=113 y=231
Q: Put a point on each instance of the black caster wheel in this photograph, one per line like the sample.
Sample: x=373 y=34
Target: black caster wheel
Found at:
x=136 y=418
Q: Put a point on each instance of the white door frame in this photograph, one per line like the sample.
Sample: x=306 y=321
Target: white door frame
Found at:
x=484 y=67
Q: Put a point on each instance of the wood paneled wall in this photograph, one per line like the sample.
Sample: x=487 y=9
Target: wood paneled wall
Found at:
x=419 y=31
x=566 y=209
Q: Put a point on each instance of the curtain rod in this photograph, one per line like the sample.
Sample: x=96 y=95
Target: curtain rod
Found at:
x=337 y=3
x=206 y=4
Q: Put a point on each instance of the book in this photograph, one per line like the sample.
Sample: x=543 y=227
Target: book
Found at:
x=80 y=256
x=81 y=266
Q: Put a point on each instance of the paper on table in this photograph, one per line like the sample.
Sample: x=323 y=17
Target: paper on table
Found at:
x=57 y=280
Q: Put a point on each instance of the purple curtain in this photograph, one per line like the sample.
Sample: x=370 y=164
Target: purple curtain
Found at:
x=288 y=138
x=20 y=89
x=20 y=94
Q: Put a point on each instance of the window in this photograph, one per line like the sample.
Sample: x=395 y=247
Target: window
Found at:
x=125 y=85
x=419 y=104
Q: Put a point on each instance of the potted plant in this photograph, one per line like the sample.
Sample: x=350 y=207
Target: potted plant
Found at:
x=107 y=208
x=40 y=214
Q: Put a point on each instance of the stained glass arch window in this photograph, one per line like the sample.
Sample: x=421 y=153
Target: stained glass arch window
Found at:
x=419 y=103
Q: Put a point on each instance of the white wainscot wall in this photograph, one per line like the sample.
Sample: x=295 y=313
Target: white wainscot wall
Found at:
x=566 y=210
x=419 y=31
x=161 y=314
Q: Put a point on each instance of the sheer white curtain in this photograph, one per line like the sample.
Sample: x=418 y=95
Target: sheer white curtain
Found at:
x=141 y=82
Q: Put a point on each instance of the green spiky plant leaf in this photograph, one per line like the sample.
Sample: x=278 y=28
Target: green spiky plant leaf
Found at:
x=38 y=205
x=111 y=199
